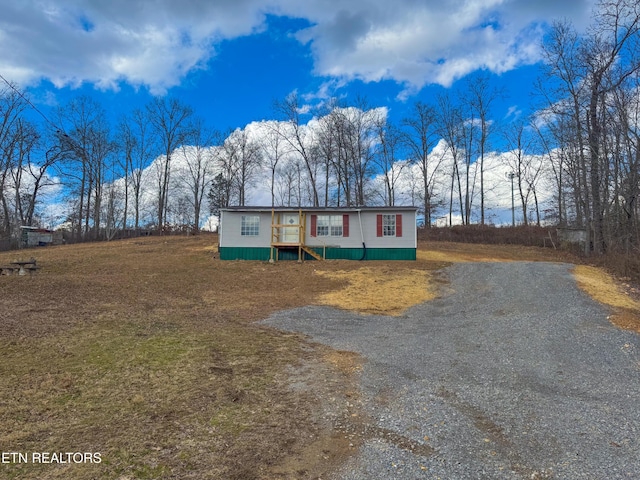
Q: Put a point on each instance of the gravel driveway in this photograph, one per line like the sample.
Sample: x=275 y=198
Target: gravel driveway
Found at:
x=513 y=374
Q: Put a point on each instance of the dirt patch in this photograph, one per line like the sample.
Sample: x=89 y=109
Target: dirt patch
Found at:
x=332 y=383
x=346 y=362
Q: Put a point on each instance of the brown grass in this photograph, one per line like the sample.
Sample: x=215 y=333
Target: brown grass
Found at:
x=379 y=290
x=460 y=252
x=144 y=350
x=603 y=288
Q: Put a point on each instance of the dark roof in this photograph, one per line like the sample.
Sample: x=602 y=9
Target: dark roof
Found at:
x=319 y=209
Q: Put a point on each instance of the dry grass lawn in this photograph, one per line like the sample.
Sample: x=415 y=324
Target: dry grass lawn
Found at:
x=606 y=290
x=389 y=290
x=145 y=350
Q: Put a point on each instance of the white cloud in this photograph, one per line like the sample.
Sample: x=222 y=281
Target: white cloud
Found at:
x=514 y=112
x=157 y=43
x=418 y=43
x=143 y=43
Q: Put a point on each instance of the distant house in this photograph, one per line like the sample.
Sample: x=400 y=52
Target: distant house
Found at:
x=364 y=233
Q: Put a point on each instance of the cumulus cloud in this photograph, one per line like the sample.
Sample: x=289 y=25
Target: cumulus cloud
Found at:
x=142 y=43
x=418 y=43
x=156 y=44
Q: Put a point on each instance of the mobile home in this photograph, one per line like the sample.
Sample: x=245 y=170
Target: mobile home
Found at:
x=283 y=233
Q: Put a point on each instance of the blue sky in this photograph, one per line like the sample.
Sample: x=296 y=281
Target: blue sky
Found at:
x=230 y=60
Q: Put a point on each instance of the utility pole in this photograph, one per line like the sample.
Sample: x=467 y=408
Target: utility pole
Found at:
x=511 y=176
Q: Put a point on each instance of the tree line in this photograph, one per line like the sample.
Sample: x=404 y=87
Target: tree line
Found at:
x=160 y=166
x=591 y=89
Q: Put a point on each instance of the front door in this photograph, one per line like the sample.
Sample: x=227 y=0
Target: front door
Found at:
x=290 y=234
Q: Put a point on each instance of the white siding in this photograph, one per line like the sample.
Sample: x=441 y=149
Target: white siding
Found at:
x=369 y=231
x=231 y=225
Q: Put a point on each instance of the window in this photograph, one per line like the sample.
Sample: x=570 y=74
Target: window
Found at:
x=250 y=226
x=388 y=225
x=322 y=227
x=329 y=225
x=336 y=225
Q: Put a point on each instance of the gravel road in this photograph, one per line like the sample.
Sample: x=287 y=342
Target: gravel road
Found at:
x=513 y=374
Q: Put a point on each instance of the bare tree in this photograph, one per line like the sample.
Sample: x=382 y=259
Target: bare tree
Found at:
x=566 y=104
x=480 y=96
x=199 y=166
x=361 y=147
x=222 y=188
x=11 y=108
x=84 y=138
x=521 y=165
x=355 y=131
x=450 y=122
x=169 y=118
x=624 y=147
x=38 y=169
x=26 y=141
x=420 y=136
x=243 y=158
x=298 y=137
x=141 y=156
x=273 y=148
x=112 y=206
x=386 y=158
x=610 y=57
x=289 y=183
x=589 y=69
x=555 y=159
x=328 y=153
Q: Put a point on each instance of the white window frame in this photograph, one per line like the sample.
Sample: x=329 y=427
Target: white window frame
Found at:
x=250 y=226
x=389 y=225
x=329 y=226
x=322 y=225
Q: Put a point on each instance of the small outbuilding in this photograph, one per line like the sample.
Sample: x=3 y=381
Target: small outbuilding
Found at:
x=282 y=233
x=40 y=237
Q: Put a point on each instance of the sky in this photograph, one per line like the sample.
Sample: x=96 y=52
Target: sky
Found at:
x=230 y=60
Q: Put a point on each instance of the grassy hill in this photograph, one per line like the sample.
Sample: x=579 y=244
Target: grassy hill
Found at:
x=146 y=351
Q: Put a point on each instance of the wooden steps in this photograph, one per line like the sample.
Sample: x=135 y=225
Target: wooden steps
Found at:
x=311 y=252
x=281 y=235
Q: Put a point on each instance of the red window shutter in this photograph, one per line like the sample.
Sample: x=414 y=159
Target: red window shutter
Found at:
x=379 y=226
x=398 y=225
x=345 y=225
x=314 y=223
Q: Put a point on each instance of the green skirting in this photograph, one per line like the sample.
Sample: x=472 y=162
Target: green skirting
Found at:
x=331 y=253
